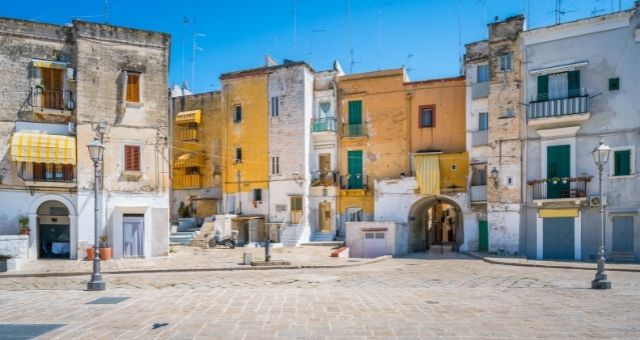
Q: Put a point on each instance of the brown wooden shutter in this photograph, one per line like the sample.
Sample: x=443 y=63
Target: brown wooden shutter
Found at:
x=132 y=158
x=133 y=88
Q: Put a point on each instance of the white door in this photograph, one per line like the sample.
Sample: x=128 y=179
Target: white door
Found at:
x=133 y=235
x=374 y=244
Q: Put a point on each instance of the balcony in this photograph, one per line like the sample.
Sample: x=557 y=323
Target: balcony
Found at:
x=323 y=178
x=353 y=130
x=478 y=193
x=568 y=106
x=479 y=138
x=52 y=101
x=48 y=175
x=323 y=125
x=193 y=181
x=570 y=189
x=357 y=181
x=188 y=135
x=480 y=90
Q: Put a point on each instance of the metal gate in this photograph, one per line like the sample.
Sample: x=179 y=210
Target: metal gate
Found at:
x=558 y=238
x=623 y=233
x=374 y=244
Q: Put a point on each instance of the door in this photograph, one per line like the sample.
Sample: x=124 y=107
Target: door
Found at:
x=133 y=235
x=54 y=241
x=623 y=233
x=296 y=209
x=483 y=242
x=355 y=118
x=52 y=81
x=374 y=244
x=324 y=161
x=354 y=166
x=558 y=238
x=558 y=167
x=325 y=217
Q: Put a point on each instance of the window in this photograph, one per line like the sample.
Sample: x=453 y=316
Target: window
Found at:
x=483 y=121
x=482 y=73
x=238 y=158
x=257 y=195
x=479 y=175
x=132 y=158
x=559 y=85
x=51 y=93
x=237 y=114
x=354 y=214
x=51 y=172
x=623 y=161
x=324 y=108
x=614 y=84
x=133 y=87
x=427 y=116
x=505 y=62
x=275 y=106
x=275 y=165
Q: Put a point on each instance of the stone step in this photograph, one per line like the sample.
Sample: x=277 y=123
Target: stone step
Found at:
x=322 y=237
x=324 y=243
x=624 y=257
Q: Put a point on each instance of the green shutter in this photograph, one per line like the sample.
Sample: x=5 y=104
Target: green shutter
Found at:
x=622 y=163
x=543 y=87
x=573 y=78
x=354 y=166
x=558 y=166
x=355 y=112
x=483 y=236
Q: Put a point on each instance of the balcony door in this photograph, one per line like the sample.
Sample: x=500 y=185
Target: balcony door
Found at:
x=558 y=167
x=354 y=166
x=355 y=118
x=53 y=83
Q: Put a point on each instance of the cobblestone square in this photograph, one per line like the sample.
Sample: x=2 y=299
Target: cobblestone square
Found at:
x=406 y=298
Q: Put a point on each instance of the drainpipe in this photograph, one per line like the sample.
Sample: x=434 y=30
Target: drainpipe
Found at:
x=523 y=163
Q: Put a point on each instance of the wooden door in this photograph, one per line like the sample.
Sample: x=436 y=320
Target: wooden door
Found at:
x=325 y=217
x=52 y=81
x=354 y=167
x=296 y=209
x=484 y=236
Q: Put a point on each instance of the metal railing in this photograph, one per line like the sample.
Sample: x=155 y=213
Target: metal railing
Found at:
x=52 y=99
x=354 y=181
x=353 y=130
x=478 y=193
x=480 y=137
x=50 y=173
x=566 y=187
x=323 y=124
x=558 y=104
x=323 y=178
x=188 y=135
x=480 y=90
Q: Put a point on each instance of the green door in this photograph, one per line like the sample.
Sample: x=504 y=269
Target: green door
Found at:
x=558 y=167
x=484 y=236
x=355 y=169
x=355 y=118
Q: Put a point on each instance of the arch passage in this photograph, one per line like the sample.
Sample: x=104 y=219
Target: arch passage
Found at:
x=53 y=230
x=435 y=220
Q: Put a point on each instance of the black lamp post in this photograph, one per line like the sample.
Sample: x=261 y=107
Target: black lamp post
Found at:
x=96 y=150
x=601 y=155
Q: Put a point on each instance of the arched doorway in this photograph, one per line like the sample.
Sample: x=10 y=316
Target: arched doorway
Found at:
x=53 y=231
x=435 y=220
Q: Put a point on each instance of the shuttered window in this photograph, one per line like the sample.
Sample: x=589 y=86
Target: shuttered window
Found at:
x=275 y=106
x=238 y=155
x=132 y=158
x=133 y=87
x=622 y=163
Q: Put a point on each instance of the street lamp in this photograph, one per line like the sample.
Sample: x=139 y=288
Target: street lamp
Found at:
x=494 y=174
x=96 y=150
x=601 y=157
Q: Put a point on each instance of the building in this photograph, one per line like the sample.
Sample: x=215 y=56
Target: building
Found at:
x=581 y=85
x=197 y=137
x=62 y=87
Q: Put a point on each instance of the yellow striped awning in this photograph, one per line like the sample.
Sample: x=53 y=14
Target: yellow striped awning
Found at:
x=427 y=173
x=36 y=147
x=189 y=160
x=187 y=117
x=49 y=64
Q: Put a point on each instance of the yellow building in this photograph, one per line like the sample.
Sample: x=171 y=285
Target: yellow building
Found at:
x=197 y=137
x=245 y=149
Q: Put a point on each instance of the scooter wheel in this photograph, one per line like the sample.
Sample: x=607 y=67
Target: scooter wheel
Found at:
x=212 y=244
x=230 y=244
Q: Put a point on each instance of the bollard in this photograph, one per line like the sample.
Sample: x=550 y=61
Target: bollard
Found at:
x=267 y=255
x=247 y=258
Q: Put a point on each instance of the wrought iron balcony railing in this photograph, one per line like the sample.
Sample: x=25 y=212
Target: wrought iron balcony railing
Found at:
x=555 y=188
x=323 y=125
x=558 y=104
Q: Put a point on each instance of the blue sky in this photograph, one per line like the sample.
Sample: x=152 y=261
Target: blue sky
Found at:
x=423 y=35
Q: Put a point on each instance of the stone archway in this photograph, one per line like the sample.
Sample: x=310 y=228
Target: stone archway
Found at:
x=435 y=220
x=33 y=223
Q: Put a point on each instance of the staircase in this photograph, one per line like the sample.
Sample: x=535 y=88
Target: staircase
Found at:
x=290 y=235
x=202 y=239
x=323 y=237
x=627 y=256
x=184 y=237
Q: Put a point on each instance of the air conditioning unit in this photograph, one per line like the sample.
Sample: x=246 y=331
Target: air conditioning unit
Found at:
x=72 y=128
x=594 y=201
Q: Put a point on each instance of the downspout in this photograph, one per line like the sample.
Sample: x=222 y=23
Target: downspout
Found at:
x=523 y=153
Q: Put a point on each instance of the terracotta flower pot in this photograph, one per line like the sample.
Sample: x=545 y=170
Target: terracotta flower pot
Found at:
x=24 y=231
x=105 y=253
x=90 y=254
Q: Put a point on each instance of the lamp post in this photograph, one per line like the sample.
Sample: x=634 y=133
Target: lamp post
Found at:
x=601 y=157
x=96 y=150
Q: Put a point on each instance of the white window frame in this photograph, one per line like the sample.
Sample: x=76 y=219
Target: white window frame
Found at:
x=632 y=161
x=504 y=66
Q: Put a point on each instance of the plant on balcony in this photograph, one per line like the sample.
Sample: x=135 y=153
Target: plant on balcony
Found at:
x=555 y=180
x=105 y=249
x=23 y=220
x=536 y=181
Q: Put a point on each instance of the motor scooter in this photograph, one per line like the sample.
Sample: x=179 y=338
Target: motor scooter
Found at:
x=228 y=241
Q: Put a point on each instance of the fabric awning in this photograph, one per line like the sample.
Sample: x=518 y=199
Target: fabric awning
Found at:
x=189 y=160
x=427 y=174
x=36 y=147
x=49 y=64
x=187 y=117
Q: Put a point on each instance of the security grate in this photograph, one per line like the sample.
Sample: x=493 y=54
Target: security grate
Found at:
x=108 y=300
x=26 y=331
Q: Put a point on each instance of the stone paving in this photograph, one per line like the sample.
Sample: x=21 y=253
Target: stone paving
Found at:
x=416 y=297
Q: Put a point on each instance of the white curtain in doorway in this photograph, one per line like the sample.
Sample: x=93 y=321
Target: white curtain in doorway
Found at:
x=133 y=236
x=558 y=85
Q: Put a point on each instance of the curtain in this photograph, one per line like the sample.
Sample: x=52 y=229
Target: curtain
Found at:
x=558 y=85
x=428 y=174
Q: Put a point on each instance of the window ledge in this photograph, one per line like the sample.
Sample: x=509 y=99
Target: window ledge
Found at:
x=621 y=177
x=134 y=104
x=132 y=174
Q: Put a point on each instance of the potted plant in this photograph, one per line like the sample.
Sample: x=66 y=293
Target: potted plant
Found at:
x=23 y=220
x=91 y=254
x=105 y=249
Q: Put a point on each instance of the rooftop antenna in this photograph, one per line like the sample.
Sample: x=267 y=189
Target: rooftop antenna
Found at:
x=312 y=33
x=408 y=63
x=295 y=27
x=106 y=11
x=559 y=11
x=195 y=48
x=185 y=22
x=460 y=35
x=349 y=40
x=596 y=11
x=380 y=32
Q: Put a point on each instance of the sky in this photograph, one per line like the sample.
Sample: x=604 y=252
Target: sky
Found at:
x=426 y=36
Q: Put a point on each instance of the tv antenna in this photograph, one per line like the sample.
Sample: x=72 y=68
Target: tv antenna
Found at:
x=185 y=22
x=408 y=63
x=380 y=32
x=349 y=38
x=596 y=11
x=295 y=27
x=559 y=11
x=312 y=34
x=194 y=49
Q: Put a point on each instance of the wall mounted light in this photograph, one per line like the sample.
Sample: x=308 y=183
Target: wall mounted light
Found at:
x=494 y=175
